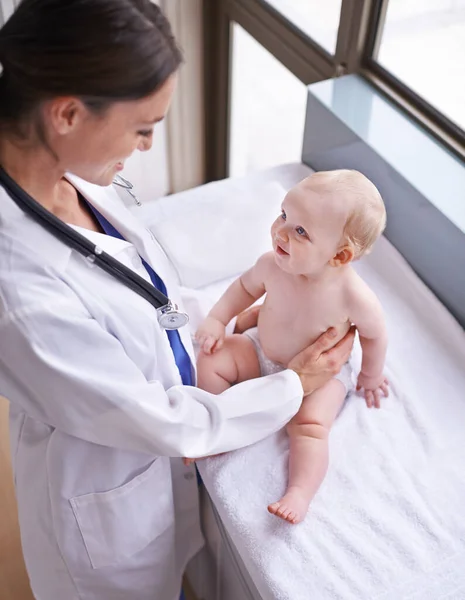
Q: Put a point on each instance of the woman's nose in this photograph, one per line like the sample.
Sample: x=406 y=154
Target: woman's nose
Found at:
x=145 y=144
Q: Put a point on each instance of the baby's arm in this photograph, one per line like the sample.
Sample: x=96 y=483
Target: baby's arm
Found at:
x=367 y=315
x=241 y=294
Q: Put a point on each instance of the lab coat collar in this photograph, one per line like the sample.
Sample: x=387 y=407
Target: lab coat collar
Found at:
x=109 y=204
x=107 y=201
x=108 y=243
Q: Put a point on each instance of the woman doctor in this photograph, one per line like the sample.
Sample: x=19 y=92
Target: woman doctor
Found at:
x=96 y=385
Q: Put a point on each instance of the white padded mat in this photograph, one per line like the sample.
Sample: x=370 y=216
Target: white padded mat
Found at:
x=389 y=521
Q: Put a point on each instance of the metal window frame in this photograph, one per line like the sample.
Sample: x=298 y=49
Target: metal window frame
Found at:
x=359 y=32
x=440 y=126
x=292 y=47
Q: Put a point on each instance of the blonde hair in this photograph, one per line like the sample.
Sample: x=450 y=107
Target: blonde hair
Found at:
x=367 y=217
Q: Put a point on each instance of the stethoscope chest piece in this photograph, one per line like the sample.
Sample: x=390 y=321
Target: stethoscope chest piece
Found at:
x=170 y=317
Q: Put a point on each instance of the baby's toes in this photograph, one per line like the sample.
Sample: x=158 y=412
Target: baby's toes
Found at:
x=273 y=508
x=283 y=512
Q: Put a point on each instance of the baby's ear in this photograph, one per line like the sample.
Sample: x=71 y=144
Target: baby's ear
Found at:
x=344 y=256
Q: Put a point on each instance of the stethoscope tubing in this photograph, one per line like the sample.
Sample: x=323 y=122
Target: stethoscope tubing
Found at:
x=92 y=252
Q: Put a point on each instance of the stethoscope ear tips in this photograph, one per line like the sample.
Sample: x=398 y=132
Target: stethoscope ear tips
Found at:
x=121 y=182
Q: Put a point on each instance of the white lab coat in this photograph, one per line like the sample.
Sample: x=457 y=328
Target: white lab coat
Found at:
x=97 y=407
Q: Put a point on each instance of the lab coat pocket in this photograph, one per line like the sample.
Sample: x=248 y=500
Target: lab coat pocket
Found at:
x=120 y=522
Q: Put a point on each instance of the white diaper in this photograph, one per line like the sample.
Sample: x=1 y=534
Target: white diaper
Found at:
x=268 y=367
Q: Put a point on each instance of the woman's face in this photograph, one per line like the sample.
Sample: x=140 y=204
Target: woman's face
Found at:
x=95 y=147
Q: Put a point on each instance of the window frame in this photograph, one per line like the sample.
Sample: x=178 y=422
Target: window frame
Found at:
x=360 y=29
x=420 y=109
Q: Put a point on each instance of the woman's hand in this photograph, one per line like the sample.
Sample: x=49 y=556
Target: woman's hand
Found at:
x=321 y=361
x=210 y=335
x=247 y=319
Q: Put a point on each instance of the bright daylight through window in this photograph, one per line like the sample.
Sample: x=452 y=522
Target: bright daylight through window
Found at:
x=423 y=45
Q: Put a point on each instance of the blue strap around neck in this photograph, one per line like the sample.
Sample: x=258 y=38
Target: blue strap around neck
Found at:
x=181 y=356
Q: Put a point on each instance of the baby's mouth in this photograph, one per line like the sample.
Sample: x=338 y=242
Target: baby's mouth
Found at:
x=280 y=251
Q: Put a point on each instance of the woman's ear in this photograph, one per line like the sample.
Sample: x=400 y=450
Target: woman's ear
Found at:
x=344 y=256
x=65 y=113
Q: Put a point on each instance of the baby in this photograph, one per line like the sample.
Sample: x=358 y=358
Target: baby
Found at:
x=327 y=221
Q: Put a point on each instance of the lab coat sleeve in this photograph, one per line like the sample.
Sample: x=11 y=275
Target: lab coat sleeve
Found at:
x=65 y=370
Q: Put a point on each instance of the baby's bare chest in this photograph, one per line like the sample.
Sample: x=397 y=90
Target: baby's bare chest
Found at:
x=306 y=306
x=294 y=315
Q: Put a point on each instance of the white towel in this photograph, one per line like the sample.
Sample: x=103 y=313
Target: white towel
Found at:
x=231 y=228
x=231 y=221
x=388 y=522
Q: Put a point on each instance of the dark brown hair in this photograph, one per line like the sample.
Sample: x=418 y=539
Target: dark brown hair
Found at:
x=98 y=50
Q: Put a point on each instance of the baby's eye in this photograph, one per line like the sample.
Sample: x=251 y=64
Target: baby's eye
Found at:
x=146 y=133
x=283 y=215
x=301 y=231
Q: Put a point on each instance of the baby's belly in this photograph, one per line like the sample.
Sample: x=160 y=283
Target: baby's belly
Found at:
x=281 y=339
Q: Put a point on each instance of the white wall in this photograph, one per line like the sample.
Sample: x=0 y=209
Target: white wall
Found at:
x=6 y=9
x=185 y=123
x=148 y=171
x=176 y=161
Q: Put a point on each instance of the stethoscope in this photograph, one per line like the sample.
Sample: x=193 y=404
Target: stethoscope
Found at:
x=121 y=182
x=169 y=317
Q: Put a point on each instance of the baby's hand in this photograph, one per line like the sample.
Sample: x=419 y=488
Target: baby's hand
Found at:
x=373 y=388
x=210 y=335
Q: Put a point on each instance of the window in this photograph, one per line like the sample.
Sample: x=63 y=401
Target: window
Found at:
x=422 y=43
x=260 y=54
x=319 y=20
x=267 y=108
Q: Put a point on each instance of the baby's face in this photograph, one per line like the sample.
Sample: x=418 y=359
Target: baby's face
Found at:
x=308 y=233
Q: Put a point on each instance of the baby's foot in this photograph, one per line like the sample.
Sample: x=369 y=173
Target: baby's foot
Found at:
x=292 y=507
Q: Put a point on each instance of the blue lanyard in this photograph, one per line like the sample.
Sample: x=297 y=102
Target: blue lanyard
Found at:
x=181 y=356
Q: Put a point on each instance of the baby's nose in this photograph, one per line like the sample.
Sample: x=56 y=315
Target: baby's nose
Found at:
x=282 y=234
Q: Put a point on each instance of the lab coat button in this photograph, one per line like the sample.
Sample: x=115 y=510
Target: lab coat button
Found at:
x=189 y=476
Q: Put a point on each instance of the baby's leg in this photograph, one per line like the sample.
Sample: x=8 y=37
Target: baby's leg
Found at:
x=308 y=454
x=236 y=361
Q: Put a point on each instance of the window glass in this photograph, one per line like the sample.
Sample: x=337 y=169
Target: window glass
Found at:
x=423 y=45
x=316 y=18
x=267 y=108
